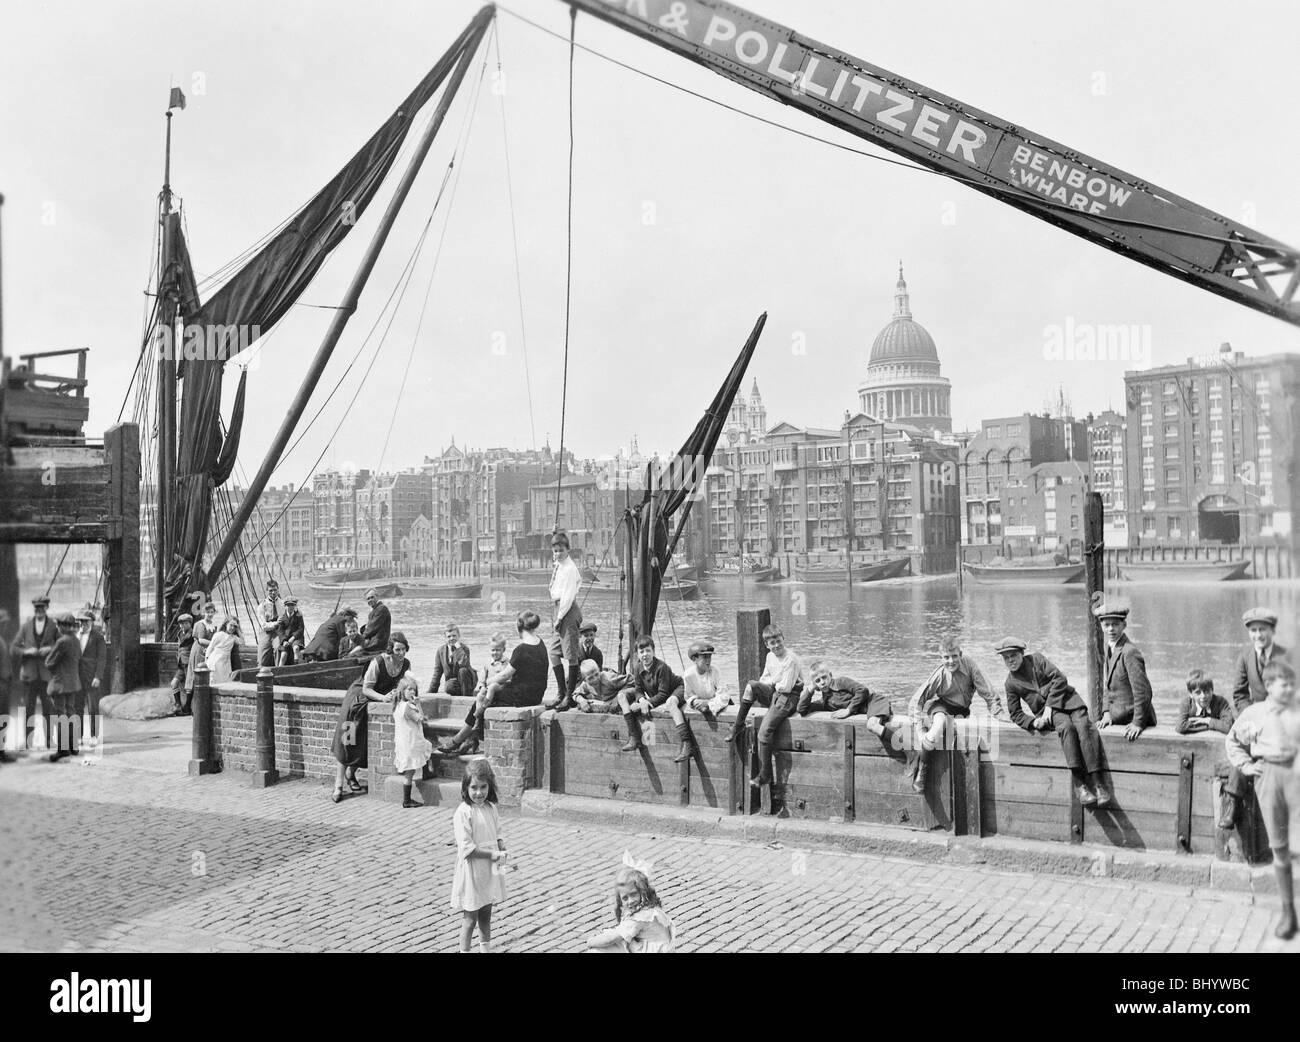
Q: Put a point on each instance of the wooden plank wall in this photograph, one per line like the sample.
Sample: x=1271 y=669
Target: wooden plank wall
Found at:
x=1164 y=786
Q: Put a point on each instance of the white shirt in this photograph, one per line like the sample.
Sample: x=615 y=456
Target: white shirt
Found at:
x=782 y=673
x=566 y=580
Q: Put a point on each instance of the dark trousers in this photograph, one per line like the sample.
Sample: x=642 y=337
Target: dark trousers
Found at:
x=63 y=722
x=88 y=701
x=265 y=650
x=463 y=683
x=1079 y=739
x=34 y=694
x=781 y=709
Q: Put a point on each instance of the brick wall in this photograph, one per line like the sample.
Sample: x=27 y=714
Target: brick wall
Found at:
x=304 y=729
x=510 y=745
x=305 y=719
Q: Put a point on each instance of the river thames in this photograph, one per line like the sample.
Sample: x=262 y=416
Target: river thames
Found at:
x=885 y=633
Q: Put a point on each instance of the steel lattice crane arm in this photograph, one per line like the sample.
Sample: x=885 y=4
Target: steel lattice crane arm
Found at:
x=1073 y=191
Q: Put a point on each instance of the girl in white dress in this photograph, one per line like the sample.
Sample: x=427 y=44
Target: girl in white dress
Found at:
x=411 y=750
x=643 y=925
x=480 y=855
x=219 y=649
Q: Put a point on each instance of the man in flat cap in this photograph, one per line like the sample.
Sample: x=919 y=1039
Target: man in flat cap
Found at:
x=63 y=688
x=327 y=643
x=268 y=624
x=1128 y=691
x=587 y=645
x=36 y=637
x=291 y=637
x=93 y=669
x=1033 y=681
x=1248 y=674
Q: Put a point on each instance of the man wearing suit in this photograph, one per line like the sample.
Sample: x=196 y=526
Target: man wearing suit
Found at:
x=1248 y=675
x=36 y=637
x=64 y=688
x=379 y=623
x=1128 y=691
x=452 y=674
x=1248 y=688
x=93 y=668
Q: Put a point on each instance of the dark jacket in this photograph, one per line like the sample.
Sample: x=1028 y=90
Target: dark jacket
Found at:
x=29 y=650
x=1128 y=691
x=845 y=693
x=595 y=654
x=447 y=665
x=1220 y=718
x=374 y=634
x=293 y=628
x=329 y=636
x=1247 y=681
x=94 y=659
x=1038 y=683
x=657 y=682
x=64 y=662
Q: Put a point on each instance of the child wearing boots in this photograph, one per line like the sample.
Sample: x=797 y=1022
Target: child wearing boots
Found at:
x=1263 y=745
x=181 y=681
x=1054 y=705
x=411 y=749
x=779 y=689
x=655 y=685
x=944 y=698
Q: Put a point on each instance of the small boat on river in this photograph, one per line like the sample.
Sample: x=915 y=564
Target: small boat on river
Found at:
x=1183 y=571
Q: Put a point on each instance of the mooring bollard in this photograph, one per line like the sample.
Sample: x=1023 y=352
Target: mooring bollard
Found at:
x=203 y=754
x=266 y=773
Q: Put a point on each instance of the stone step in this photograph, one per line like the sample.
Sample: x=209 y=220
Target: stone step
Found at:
x=438 y=706
x=437 y=792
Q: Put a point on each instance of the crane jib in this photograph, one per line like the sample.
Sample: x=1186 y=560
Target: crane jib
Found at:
x=1025 y=170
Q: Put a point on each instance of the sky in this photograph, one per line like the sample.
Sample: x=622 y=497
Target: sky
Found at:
x=688 y=219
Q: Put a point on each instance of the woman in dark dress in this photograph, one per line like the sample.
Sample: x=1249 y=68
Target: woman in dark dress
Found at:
x=350 y=733
x=521 y=683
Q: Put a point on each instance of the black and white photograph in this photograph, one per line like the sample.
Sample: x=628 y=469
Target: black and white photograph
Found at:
x=629 y=476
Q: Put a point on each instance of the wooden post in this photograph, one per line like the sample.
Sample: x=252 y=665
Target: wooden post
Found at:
x=266 y=774
x=1094 y=558
x=203 y=753
x=850 y=772
x=750 y=655
x=122 y=564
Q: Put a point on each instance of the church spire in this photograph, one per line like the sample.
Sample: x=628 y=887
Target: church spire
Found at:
x=902 y=306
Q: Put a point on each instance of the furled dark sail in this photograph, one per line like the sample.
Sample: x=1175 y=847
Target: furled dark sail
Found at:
x=648 y=523
x=258 y=296
x=244 y=309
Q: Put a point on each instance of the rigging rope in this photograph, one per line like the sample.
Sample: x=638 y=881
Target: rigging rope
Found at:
x=514 y=236
x=568 y=275
x=1010 y=192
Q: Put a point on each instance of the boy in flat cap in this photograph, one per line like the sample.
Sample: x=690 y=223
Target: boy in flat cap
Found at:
x=587 y=645
x=705 y=689
x=1263 y=744
x=1248 y=674
x=36 y=637
x=291 y=635
x=1128 y=691
x=64 y=663
x=93 y=670
x=1032 y=680
x=181 y=679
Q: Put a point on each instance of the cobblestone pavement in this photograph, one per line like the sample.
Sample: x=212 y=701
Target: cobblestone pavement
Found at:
x=127 y=853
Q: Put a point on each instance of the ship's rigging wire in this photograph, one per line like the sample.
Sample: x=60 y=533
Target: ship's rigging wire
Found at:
x=568 y=276
x=514 y=237
x=1035 y=201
